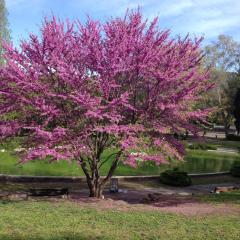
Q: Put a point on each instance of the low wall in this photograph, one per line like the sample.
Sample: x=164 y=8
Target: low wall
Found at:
x=20 y=179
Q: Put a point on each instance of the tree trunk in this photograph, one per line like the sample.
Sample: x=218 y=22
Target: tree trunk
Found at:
x=95 y=186
x=226 y=122
x=94 y=182
x=96 y=191
x=226 y=129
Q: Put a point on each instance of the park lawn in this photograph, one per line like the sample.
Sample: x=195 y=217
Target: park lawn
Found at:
x=199 y=160
x=232 y=197
x=44 y=220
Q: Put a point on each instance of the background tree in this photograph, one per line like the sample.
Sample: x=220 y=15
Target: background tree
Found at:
x=122 y=86
x=222 y=57
x=4 y=32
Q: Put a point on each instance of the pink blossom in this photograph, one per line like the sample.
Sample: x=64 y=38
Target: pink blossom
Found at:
x=80 y=89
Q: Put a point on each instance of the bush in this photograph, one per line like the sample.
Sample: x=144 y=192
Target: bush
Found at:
x=235 y=170
x=202 y=146
x=175 y=178
x=233 y=137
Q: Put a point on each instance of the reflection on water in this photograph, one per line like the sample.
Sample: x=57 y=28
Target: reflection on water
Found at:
x=206 y=165
x=195 y=162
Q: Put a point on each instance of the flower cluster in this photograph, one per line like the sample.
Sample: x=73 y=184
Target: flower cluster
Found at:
x=77 y=89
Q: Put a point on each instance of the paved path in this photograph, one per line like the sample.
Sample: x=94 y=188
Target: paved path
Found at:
x=194 y=189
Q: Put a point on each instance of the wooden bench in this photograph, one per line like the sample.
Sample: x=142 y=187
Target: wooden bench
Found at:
x=41 y=192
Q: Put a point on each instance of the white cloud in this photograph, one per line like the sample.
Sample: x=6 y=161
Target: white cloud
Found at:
x=208 y=17
x=173 y=8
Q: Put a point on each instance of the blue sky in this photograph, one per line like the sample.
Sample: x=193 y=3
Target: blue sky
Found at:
x=197 y=17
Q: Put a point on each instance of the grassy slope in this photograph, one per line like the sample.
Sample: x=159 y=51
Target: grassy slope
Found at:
x=57 y=221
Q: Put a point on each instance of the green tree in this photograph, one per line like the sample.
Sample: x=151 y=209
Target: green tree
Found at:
x=223 y=58
x=4 y=31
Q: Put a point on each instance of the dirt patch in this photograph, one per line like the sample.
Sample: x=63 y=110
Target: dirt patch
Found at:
x=198 y=209
x=183 y=205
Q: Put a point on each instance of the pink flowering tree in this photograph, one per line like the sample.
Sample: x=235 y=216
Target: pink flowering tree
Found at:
x=77 y=90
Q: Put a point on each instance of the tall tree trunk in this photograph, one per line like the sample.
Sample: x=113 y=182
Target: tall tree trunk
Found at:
x=226 y=122
x=226 y=128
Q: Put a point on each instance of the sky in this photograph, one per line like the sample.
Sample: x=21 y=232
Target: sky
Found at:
x=207 y=18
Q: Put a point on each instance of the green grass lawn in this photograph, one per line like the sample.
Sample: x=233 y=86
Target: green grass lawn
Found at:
x=65 y=220
x=8 y=165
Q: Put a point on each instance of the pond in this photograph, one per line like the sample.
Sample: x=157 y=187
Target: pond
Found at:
x=196 y=161
x=208 y=165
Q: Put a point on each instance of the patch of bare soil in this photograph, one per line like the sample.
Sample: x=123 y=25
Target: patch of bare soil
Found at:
x=183 y=205
x=192 y=207
x=134 y=197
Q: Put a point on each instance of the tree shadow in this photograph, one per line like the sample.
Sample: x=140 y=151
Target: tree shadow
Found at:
x=63 y=236
x=130 y=196
x=139 y=197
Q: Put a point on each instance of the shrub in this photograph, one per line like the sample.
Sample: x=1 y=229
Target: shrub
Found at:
x=235 y=170
x=202 y=146
x=175 y=178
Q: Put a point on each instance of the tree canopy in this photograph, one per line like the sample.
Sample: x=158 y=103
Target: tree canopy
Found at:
x=4 y=31
x=79 y=89
x=223 y=57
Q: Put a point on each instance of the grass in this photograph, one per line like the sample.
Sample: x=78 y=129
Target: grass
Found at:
x=228 y=197
x=8 y=165
x=65 y=220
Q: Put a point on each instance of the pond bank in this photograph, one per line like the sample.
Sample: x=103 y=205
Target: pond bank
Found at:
x=21 y=178
x=201 y=183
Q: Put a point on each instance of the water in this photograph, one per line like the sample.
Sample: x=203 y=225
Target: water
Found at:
x=195 y=162
x=208 y=165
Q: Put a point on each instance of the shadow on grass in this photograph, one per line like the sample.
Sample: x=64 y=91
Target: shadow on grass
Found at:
x=63 y=236
x=135 y=197
x=5 y=202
